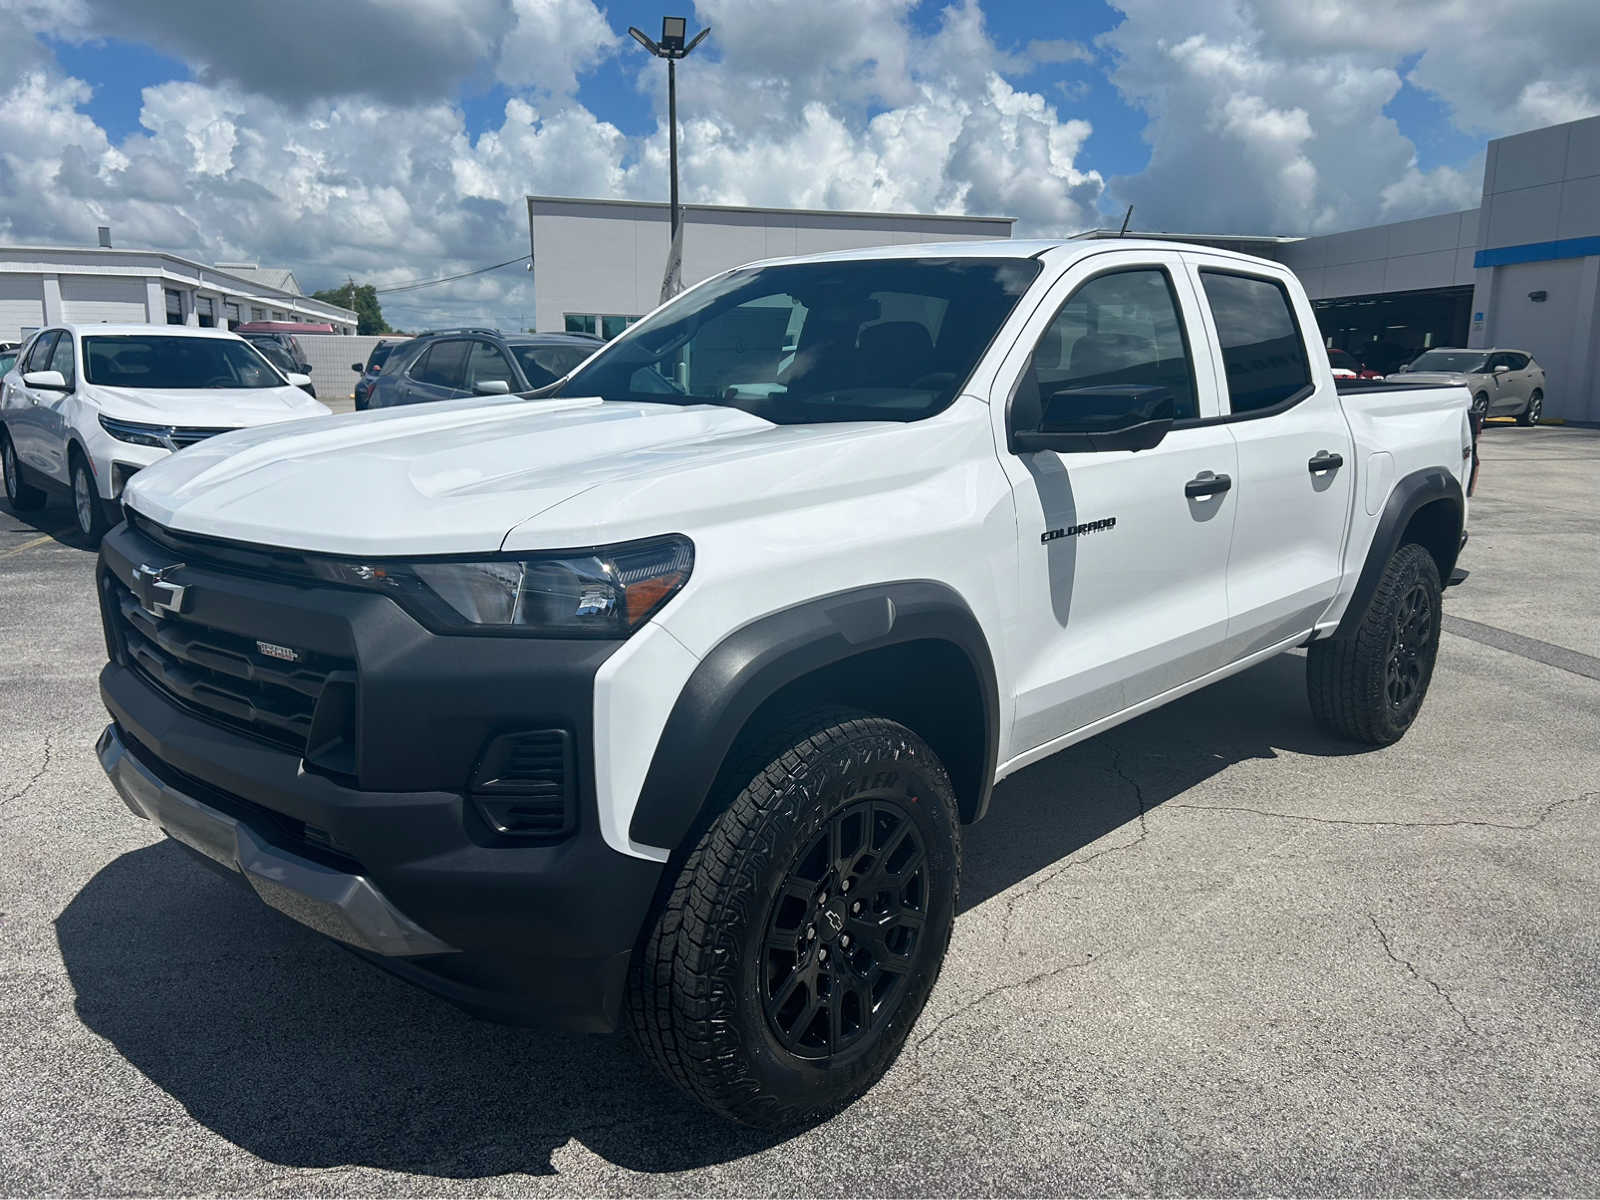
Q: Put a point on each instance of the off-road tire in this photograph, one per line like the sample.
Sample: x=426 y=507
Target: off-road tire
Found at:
x=1350 y=679
x=20 y=494
x=696 y=1003
x=1535 y=409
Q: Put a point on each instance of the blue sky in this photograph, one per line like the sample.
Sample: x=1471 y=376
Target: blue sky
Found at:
x=370 y=138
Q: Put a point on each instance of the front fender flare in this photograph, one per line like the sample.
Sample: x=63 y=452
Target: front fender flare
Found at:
x=753 y=663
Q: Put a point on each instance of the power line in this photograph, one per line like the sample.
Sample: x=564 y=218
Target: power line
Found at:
x=415 y=285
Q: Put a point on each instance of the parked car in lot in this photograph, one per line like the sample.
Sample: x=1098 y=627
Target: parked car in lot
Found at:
x=284 y=335
x=446 y=364
x=8 y=359
x=86 y=406
x=368 y=371
x=272 y=350
x=661 y=700
x=1502 y=382
x=1346 y=366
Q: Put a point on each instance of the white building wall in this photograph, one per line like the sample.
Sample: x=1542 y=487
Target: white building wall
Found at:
x=1541 y=233
x=21 y=305
x=607 y=257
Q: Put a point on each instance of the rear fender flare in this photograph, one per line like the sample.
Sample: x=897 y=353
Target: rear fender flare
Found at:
x=1410 y=495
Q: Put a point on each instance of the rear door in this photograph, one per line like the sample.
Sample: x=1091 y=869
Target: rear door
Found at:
x=1122 y=572
x=24 y=421
x=1295 y=453
x=439 y=373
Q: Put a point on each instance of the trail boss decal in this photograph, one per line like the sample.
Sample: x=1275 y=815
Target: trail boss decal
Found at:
x=1051 y=535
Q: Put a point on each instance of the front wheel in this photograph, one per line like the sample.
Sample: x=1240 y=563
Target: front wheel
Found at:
x=1369 y=686
x=86 y=506
x=1480 y=404
x=1535 y=409
x=806 y=929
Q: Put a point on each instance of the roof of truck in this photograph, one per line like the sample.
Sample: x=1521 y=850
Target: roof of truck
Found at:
x=1009 y=248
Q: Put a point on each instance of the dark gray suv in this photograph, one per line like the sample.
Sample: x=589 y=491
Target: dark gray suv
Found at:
x=446 y=364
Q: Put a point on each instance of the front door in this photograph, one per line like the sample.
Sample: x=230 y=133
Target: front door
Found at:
x=1122 y=578
x=24 y=420
x=1296 y=456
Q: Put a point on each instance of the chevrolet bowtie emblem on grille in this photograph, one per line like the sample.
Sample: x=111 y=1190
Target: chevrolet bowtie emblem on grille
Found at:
x=157 y=595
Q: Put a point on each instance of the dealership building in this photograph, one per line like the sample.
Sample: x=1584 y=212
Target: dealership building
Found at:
x=1521 y=271
x=48 y=285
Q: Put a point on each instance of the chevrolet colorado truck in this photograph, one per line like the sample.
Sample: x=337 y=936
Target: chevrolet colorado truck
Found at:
x=659 y=698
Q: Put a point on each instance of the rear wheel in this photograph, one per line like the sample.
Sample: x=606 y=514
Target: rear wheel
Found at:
x=86 y=506
x=1480 y=404
x=1369 y=686
x=807 y=927
x=1535 y=409
x=21 y=495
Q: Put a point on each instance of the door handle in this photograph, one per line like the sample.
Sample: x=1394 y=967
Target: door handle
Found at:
x=1322 y=461
x=1206 y=484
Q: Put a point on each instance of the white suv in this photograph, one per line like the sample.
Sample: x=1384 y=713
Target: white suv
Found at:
x=85 y=406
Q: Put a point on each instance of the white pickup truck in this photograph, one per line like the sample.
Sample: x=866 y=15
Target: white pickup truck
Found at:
x=660 y=697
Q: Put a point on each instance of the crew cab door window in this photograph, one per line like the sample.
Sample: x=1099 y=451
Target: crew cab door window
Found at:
x=443 y=365
x=485 y=364
x=1114 y=353
x=1263 y=352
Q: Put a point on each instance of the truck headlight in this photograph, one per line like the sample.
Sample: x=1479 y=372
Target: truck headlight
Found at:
x=605 y=592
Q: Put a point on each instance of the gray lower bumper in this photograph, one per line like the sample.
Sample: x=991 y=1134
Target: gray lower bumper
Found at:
x=342 y=906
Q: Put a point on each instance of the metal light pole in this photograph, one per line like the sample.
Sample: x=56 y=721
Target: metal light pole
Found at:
x=672 y=47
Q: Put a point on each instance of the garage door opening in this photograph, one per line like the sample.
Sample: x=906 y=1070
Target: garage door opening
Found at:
x=1383 y=332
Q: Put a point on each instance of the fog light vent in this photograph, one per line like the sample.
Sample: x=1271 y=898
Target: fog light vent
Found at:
x=524 y=784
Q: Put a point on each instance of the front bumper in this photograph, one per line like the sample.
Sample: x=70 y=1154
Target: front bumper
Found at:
x=390 y=855
x=343 y=906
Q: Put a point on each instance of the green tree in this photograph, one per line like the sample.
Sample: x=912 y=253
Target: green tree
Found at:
x=363 y=299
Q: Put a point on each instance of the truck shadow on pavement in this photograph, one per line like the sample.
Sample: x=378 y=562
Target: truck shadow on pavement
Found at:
x=280 y=1042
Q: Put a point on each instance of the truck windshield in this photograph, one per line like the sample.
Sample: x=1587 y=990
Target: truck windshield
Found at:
x=867 y=340
x=156 y=361
x=1454 y=361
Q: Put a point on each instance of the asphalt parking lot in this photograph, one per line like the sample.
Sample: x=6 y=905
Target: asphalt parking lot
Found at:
x=1212 y=951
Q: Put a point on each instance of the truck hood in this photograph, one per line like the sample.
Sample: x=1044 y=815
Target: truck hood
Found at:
x=207 y=408
x=448 y=478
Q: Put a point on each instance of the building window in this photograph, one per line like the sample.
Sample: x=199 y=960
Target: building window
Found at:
x=231 y=312
x=174 y=307
x=276 y=315
x=258 y=314
x=205 y=309
x=606 y=325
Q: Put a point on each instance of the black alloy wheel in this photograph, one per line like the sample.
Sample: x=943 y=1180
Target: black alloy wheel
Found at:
x=1411 y=646
x=843 y=929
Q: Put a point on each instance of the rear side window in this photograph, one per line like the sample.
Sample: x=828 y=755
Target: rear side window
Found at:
x=443 y=364
x=1262 y=350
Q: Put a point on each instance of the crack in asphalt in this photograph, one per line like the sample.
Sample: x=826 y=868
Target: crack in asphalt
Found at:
x=982 y=997
x=1420 y=977
x=1545 y=814
x=37 y=775
x=1045 y=881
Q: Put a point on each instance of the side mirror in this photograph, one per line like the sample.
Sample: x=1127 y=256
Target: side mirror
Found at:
x=357 y=368
x=298 y=380
x=1113 y=417
x=492 y=387
x=1501 y=368
x=48 y=381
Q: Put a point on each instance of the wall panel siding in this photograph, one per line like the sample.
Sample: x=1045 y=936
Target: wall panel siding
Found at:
x=88 y=299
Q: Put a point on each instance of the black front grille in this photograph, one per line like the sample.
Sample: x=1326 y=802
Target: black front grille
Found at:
x=263 y=562
x=187 y=435
x=222 y=676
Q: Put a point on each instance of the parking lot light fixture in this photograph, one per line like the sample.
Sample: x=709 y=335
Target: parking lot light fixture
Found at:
x=672 y=47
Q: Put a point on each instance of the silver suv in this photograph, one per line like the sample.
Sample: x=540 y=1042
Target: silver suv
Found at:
x=1504 y=383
